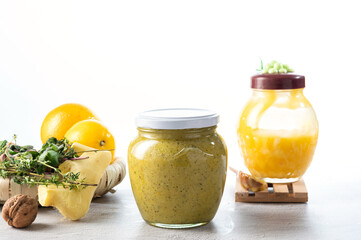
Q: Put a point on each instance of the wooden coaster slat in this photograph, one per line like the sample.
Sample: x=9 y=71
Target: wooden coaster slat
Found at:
x=261 y=194
x=280 y=192
x=299 y=189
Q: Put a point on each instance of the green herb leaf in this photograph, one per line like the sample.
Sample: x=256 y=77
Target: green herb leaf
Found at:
x=25 y=165
x=50 y=157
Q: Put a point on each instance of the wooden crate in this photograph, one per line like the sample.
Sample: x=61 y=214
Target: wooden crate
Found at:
x=286 y=192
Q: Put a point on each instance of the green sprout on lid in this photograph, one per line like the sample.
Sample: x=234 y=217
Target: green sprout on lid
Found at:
x=275 y=67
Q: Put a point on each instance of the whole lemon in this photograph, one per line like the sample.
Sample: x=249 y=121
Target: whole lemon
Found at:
x=61 y=119
x=92 y=133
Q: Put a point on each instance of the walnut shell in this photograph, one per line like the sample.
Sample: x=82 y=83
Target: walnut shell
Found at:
x=20 y=211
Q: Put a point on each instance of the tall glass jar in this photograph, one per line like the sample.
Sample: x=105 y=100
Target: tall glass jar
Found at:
x=278 y=128
x=177 y=167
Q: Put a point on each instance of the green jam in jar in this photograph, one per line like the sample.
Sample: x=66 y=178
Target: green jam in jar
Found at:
x=177 y=175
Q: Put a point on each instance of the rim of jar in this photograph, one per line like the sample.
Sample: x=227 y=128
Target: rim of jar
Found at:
x=176 y=133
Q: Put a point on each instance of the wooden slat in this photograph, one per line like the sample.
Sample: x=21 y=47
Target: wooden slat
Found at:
x=271 y=200
x=280 y=190
x=14 y=188
x=4 y=188
x=300 y=190
x=281 y=193
x=262 y=194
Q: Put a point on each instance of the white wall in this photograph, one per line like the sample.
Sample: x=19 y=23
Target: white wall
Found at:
x=122 y=57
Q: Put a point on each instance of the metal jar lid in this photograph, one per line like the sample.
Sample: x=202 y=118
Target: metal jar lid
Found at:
x=177 y=118
x=277 y=81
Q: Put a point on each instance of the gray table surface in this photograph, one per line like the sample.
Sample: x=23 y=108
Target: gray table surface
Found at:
x=333 y=212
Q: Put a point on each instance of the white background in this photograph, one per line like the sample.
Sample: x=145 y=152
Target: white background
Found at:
x=122 y=57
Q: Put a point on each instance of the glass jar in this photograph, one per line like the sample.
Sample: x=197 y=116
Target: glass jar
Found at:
x=278 y=128
x=177 y=167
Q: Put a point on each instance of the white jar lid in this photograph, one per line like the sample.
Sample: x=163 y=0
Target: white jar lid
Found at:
x=177 y=118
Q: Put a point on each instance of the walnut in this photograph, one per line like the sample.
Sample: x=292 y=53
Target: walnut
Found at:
x=20 y=210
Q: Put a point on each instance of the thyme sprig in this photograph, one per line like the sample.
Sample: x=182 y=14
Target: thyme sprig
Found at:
x=25 y=165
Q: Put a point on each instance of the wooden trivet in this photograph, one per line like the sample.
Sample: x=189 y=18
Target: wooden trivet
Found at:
x=281 y=192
